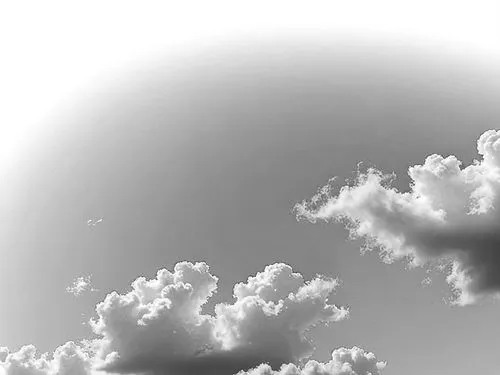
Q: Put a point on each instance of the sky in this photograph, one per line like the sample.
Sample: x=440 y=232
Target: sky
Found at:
x=136 y=138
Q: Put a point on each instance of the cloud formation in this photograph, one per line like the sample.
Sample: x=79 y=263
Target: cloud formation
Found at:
x=159 y=324
x=354 y=361
x=449 y=215
x=158 y=327
x=68 y=359
x=80 y=285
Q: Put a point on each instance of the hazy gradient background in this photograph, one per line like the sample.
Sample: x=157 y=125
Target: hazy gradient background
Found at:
x=202 y=157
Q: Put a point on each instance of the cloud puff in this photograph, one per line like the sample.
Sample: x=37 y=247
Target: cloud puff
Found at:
x=354 y=361
x=449 y=215
x=80 y=285
x=68 y=359
x=159 y=325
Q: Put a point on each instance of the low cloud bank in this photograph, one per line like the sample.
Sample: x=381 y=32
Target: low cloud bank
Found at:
x=449 y=216
x=68 y=359
x=354 y=361
x=158 y=327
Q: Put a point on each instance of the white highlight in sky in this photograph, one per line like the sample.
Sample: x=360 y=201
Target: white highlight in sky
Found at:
x=81 y=285
x=94 y=222
x=60 y=48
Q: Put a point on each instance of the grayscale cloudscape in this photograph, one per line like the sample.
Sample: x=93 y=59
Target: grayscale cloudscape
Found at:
x=201 y=158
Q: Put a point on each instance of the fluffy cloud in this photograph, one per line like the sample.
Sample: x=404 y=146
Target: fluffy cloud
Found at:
x=159 y=326
x=449 y=215
x=354 y=361
x=68 y=359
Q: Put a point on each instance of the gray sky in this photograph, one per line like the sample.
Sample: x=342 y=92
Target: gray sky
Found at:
x=202 y=157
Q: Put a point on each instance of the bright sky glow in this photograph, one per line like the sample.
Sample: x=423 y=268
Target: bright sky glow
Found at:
x=53 y=48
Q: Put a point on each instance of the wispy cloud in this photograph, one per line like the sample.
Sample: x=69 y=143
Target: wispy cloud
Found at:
x=449 y=216
x=81 y=285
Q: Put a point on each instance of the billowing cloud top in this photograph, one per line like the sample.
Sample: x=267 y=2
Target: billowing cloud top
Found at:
x=450 y=215
x=159 y=327
x=354 y=361
x=67 y=359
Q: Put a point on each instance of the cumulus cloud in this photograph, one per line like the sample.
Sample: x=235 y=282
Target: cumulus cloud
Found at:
x=449 y=216
x=68 y=359
x=354 y=361
x=81 y=285
x=159 y=327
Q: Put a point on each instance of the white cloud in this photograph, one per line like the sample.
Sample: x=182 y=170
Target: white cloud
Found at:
x=26 y=362
x=159 y=326
x=81 y=285
x=68 y=359
x=450 y=214
x=354 y=361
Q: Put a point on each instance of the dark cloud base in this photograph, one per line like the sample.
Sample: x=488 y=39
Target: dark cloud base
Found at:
x=215 y=363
